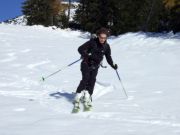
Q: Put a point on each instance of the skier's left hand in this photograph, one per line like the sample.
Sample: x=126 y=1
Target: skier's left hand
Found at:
x=115 y=66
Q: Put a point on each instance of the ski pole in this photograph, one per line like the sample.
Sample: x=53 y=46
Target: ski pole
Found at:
x=44 y=78
x=121 y=83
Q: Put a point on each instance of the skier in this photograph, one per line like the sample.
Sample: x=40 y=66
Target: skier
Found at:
x=92 y=53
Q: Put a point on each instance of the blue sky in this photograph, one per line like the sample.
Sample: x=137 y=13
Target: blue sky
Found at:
x=10 y=9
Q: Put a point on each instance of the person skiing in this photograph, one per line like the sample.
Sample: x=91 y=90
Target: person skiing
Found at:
x=92 y=53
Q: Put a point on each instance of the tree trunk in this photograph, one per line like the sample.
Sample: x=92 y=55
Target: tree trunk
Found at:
x=145 y=27
x=69 y=12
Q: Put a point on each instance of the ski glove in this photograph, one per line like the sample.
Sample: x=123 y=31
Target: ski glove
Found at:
x=115 y=66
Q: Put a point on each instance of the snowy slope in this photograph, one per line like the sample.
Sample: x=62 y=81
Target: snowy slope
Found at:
x=148 y=65
x=20 y=20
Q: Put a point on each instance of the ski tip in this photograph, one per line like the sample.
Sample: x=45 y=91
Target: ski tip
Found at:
x=75 y=111
x=89 y=109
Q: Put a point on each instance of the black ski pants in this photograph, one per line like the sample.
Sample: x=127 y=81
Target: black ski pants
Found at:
x=89 y=73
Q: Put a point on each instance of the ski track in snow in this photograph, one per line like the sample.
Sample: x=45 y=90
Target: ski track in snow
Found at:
x=32 y=66
x=138 y=119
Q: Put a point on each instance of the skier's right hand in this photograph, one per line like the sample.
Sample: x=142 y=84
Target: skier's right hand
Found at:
x=115 y=66
x=85 y=57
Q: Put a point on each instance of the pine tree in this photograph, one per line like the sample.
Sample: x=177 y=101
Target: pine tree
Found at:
x=87 y=14
x=169 y=16
x=129 y=16
x=155 y=15
x=174 y=16
x=41 y=12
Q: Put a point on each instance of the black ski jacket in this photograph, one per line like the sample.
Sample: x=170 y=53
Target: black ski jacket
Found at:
x=93 y=51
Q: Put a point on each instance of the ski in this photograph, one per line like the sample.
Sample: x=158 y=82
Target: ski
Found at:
x=87 y=107
x=77 y=109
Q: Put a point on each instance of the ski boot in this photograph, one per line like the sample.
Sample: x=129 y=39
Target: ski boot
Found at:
x=76 y=103
x=87 y=101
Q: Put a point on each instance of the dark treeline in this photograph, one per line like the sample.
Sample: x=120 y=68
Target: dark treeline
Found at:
x=120 y=16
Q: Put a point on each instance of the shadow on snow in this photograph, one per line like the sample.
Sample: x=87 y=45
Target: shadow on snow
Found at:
x=68 y=96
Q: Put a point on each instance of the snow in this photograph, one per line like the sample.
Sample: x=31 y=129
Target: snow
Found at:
x=72 y=9
x=72 y=13
x=148 y=66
